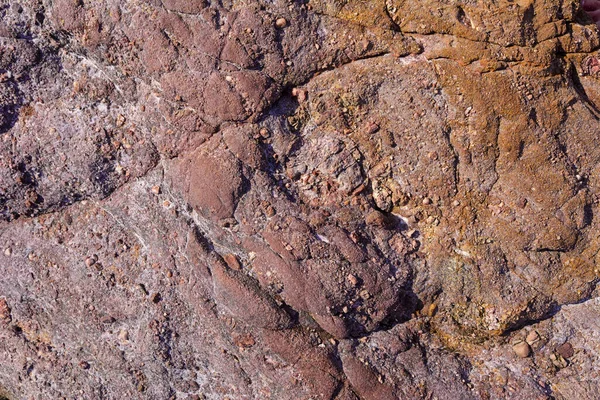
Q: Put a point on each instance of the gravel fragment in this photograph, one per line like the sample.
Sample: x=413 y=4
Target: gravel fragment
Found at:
x=522 y=349
x=281 y=23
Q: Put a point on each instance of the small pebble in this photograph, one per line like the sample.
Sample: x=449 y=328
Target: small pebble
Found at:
x=155 y=189
x=426 y=201
x=352 y=279
x=120 y=120
x=300 y=94
x=123 y=335
x=372 y=128
x=456 y=203
x=522 y=349
x=565 y=350
x=7 y=251
x=244 y=341
x=281 y=23
x=5 y=312
x=232 y=261
x=532 y=337
x=84 y=365
x=89 y=261
x=431 y=310
x=558 y=361
x=264 y=133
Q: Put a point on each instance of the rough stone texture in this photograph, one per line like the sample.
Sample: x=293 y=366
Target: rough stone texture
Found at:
x=320 y=199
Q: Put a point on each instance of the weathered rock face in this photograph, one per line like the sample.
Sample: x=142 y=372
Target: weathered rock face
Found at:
x=299 y=200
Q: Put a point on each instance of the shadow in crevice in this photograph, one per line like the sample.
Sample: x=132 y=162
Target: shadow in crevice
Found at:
x=11 y=101
x=284 y=126
x=553 y=309
x=588 y=214
x=573 y=77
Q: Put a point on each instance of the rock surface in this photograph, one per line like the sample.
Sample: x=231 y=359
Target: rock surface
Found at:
x=214 y=199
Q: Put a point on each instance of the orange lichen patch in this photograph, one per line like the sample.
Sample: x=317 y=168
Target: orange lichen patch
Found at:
x=497 y=22
x=366 y=13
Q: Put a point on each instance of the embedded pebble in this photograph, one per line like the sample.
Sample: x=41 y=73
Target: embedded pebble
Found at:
x=558 y=361
x=264 y=133
x=532 y=337
x=270 y=211
x=120 y=120
x=4 y=311
x=565 y=350
x=281 y=23
x=522 y=349
x=372 y=128
x=123 y=335
x=431 y=310
x=232 y=261
x=352 y=279
x=300 y=94
x=89 y=261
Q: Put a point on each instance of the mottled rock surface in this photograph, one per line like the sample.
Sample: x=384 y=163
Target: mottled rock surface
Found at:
x=213 y=199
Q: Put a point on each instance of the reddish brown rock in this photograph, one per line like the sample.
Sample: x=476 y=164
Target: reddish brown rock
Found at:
x=356 y=199
x=239 y=295
x=221 y=99
x=215 y=184
x=184 y=6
